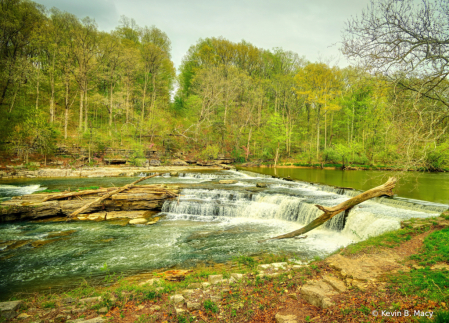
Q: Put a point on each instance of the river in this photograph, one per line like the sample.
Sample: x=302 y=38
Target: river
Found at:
x=211 y=222
x=433 y=187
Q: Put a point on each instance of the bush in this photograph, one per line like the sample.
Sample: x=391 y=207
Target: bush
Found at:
x=211 y=152
x=331 y=155
x=438 y=158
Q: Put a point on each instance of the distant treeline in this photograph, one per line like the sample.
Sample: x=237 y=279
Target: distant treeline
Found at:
x=65 y=82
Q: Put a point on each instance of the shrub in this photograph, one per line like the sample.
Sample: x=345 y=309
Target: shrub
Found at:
x=210 y=152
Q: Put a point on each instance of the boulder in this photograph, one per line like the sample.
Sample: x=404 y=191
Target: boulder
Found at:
x=174 y=174
x=318 y=293
x=261 y=185
x=236 y=276
x=335 y=283
x=285 y=318
x=94 y=320
x=227 y=181
x=215 y=279
x=155 y=162
x=187 y=293
x=90 y=300
x=194 y=285
x=192 y=306
x=177 y=298
x=178 y=162
x=8 y=309
x=151 y=281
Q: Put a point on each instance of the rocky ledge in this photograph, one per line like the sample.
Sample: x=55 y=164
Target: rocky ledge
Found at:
x=122 y=205
x=111 y=171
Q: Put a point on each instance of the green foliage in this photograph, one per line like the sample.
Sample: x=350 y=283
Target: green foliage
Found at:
x=49 y=305
x=210 y=306
x=331 y=155
x=438 y=158
x=247 y=261
x=431 y=284
x=33 y=135
x=440 y=316
x=210 y=152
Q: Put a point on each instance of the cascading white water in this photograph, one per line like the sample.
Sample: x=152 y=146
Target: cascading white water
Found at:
x=297 y=203
x=7 y=191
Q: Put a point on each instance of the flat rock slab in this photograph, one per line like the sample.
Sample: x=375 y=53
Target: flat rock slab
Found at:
x=273 y=266
x=215 y=279
x=365 y=269
x=138 y=221
x=8 y=309
x=318 y=293
x=90 y=300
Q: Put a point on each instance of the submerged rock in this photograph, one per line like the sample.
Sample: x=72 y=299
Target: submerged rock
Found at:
x=138 y=221
x=60 y=233
x=18 y=244
x=227 y=181
x=41 y=243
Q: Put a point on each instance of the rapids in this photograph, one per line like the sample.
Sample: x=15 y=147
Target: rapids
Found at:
x=210 y=222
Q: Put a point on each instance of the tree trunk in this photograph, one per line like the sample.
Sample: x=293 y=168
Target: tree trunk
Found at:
x=317 y=131
x=66 y=116
x=81 y=109
x=86 y=110
x=330 y=212
x=277 y=156
x=153 y=97
x=37 y=89
x=110 y=110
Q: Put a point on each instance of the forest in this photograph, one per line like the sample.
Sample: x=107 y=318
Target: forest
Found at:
x=64 y=82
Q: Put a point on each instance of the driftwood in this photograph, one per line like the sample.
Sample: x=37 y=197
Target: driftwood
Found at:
x=104 y=197
x=70 y=194
x=330 y=212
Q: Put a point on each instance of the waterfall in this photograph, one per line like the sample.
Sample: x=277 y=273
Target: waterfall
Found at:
x=224 y=203
x=296 y=203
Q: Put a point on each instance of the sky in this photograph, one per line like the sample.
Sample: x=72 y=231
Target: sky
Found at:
x=312 y=29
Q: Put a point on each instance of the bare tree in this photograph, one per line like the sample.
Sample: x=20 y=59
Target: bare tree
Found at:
x=406 y=40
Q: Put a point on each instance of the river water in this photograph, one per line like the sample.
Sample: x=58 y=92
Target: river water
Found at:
x=211 y=222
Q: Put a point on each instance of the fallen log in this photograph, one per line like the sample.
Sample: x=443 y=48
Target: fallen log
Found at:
x=70 y=194
x=330 y=212
x=104 y=197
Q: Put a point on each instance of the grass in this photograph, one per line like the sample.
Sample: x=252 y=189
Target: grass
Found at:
x=210 y=306
x=427 y=283
x=387 y=240
x=436 y=248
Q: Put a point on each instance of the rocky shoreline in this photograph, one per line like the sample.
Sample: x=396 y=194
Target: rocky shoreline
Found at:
x=110 y=171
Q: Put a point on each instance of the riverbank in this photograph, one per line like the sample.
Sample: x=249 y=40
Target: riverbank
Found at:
x=404 y=272
x=342 y=167
x=105 y=171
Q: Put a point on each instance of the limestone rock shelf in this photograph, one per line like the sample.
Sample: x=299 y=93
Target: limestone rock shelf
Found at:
x=142 y=198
